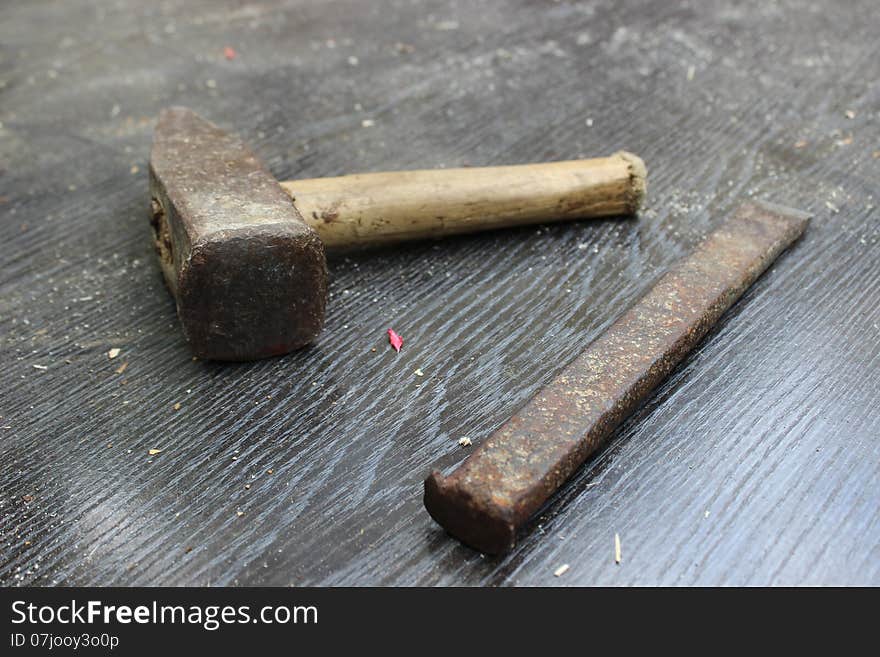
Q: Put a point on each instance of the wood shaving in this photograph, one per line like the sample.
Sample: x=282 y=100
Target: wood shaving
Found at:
x=559 y=572
x=465 y=441
x=177 y=406
x=239 y=513
x=419 y=373
x=113 y=353
x=617 y=548
x=153 y=452
x=121 y=368
x=40 y=367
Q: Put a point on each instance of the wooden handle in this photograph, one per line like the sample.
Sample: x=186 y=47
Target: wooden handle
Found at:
x=380 y=208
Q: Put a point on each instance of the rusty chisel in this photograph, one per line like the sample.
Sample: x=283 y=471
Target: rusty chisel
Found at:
x=490 y=496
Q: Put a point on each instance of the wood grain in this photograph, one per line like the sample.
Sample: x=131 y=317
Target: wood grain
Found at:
x=756 y=463
x=375 y=209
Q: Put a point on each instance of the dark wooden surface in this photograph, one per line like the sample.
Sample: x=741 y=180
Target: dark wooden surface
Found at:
x=758 y=462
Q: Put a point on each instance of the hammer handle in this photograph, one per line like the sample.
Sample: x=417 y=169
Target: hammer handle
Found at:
x=370 y=209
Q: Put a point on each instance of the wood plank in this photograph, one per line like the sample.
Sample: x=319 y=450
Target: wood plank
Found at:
x=756 y=463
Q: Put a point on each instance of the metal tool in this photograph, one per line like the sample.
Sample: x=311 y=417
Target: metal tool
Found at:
x=490 y=496
x=246 y=265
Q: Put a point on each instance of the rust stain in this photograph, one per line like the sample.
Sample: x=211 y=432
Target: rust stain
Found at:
x=248 y=274
x=490 y=496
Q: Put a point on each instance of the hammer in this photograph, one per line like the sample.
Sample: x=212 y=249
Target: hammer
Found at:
x=243 y=254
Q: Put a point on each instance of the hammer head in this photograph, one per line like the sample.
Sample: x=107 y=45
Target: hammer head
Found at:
x=249 y=275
